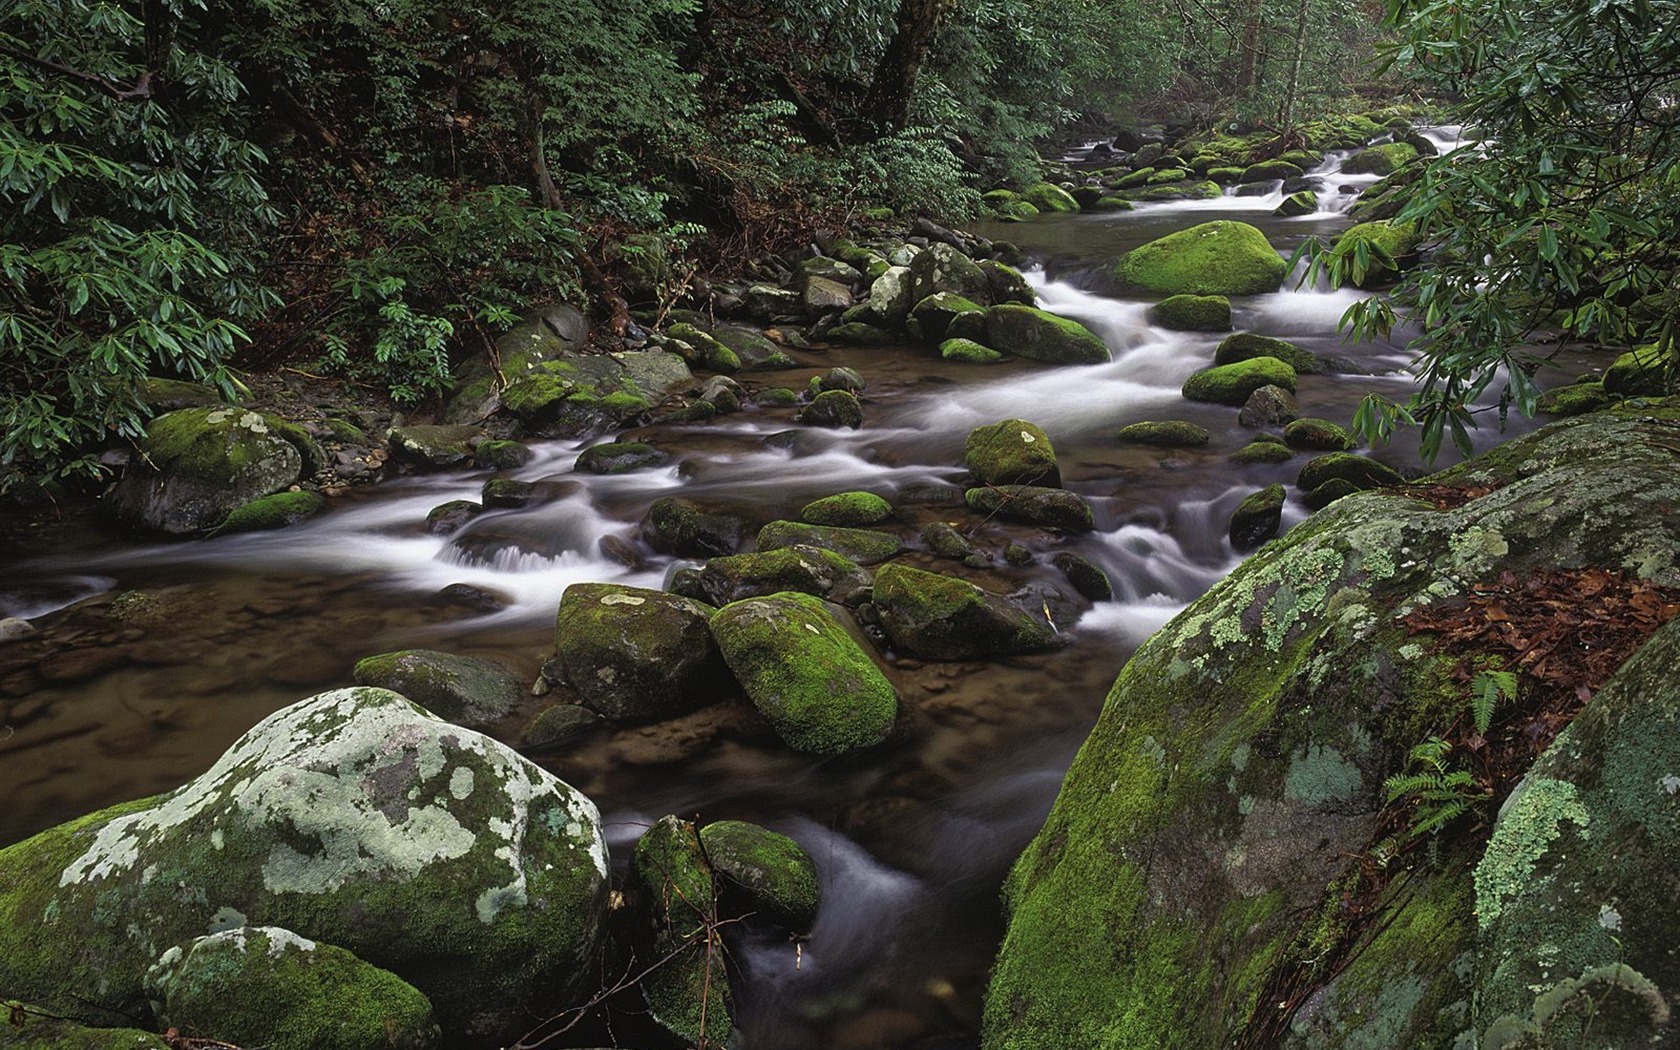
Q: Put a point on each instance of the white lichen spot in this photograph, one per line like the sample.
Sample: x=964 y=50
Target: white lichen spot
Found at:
x=1670 y=784
x=1529 y=822
x=812 y=628
x=1027 y=438
x=1609 y=918
x=622 y=599
x=608 y=675
x=1411 y=651
x=460 y=783
x=217 y=839
x=226 y=919
x=280 y=939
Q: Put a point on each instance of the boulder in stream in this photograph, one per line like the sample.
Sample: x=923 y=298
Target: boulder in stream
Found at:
x=1246 y=346
x=673 y=893
x=847 y=509
x=1011 y=452
x=939 y=617
x=773 y=874
x=1192 y=313
x=864 y=546
x=1039 y=335
x=1256 y=518
x=942 y=268
x=683 y=527
x=633 y=654
x=1216 y=258
x=466 y=690
x=1166 y=433
x=1232 y=384
x=1033 y=504
x=800 y=567
x=356 y=818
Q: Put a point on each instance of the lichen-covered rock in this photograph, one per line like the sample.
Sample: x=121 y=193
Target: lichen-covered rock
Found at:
x=1318 y=434
x=1192 y=313
x=620 y=457
x=677 y=939
x=272 y=512
x=1038 y=335
x=355 y=818
x=807 y=676
x=466 y=690
x=802 y=568
x=1215 y=258
x=1257 y=518
x=1642 y=372
x=1246 y=346
x=1366 y=473
x=847 y=379
x=683 y=527
x=930 y=318
x=266 y=986
x=1011 y=452
x=1269 y=406
x=942 y=268
x=1232 y=384
x=833 y=408
x=587 y=394
x=552 y=332
x=707 y=351
x=776 y=876
x=1208 y=829
x=198 y=464
x=631 y=653
x=864 y=546
x=847 y=509
x=1033 y=504
x=1166 y=433
x=558 y=725
x=890 y=296
x=823 y=295
x=1006 y=284
x=942 y=617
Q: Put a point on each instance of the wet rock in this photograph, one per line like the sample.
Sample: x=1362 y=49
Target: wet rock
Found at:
x=847 y=379
x=12 y=628
x=1246 y=346
x=1392 y=247
x=266 y=986
x=805 y=674
x=1005 y=284
x=80 y=665
x=470 y=597
x=1215 y=258
x=755 y=352
x=1357 y=470
x=1170 y=433
x=272 y=512
x=631 y=654
x=363 y=820
x=1192 y=313
x=1047 y=196
x=1269 y=406
x=847 y=509
x=1232 y=384
x=511 y=493
x=1257 y=518
x=586 y=394
x=724 y=394
x=1299 y=202
x=1328 y=492
x=434 y=447
x=1262 y=452
x=969 y=352
x=1041 y=336
x=1317 y=434
x=1033 y=504
x=775 y=877
x=620 y=457
x=864 y=546
x=942 y=268
x=944 y=540
x=930 y=318
x=501 y=455
x=198 y=464
x=1011 y=452
x=1638 y=373
x=1086 y=577
x=466 y=690
x=833 y=408
x=682 y=527
x=559 y=725
x=858 y=333
x=1380 y=160
x=802 y=568
x=673 y=891
x=825 y=296
x=446 y=518
x=941 y=617
x=49 y=1033
x=1573 y=400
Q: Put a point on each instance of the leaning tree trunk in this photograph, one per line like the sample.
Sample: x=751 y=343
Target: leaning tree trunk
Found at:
x=887 y=106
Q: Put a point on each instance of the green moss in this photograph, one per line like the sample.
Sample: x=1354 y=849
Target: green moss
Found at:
x=1380 y=160
x=687 y=986
x=1642 y=372
x=1232 y=384
x=777 y=875
x=272 y=512
x=847 y=509
x=969 y=352
x=1034 y=504
x=1262 y=452
x=48 y=1033
x=1573 y=400
x=1011 y=452
x=1321 y=434
x=501 y=455
x=1176 y=191
x=1271 y=171
x=211 y=445
x=1215 y=258
x=1532 y=821
x=1345 y=466
x=1047 y=197
x=1192 y=313
x=1388 y=244
x=863 y=546
x=1170 y=433
x=1246 y=346
x=1029 y=332
x=946 y=618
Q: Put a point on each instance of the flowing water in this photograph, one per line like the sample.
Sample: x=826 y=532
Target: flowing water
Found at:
x=152 y=658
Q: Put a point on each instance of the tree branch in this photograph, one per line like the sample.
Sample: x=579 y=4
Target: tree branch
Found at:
x=141 y=88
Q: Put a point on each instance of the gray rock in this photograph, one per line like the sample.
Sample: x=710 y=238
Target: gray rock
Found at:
x=466 y=690
x=635 y=654
x=198 y=464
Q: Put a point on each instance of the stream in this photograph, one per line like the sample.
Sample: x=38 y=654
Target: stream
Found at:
x=912 y=838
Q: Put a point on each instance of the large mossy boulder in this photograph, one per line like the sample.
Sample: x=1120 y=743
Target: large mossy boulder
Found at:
x=1388 y=247
x=806 y=675
x=1380 y=160
x=680 y=526
x=1643 y=372
x=1215 y=258
x=266 y=986
x=1232 y=384
x=1046 y=196
x=1011 y=452
x=940 y=617
x=553 y=332
x=634 y=654
x=355 y=818
x=847 y=509
x=197 y=465
x=466 y=690
x=1214 y=825
x=278 y=511
x=1038 y=335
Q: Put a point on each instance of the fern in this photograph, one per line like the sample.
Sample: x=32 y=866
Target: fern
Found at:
x=1487 y=689
x=1439 y=793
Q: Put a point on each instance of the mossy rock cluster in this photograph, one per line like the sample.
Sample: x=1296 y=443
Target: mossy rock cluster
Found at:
x=864 y=546
x=1039 y=335
x=1211 y=827
x=799 y=567
x=676 y=936
x=1216 y=258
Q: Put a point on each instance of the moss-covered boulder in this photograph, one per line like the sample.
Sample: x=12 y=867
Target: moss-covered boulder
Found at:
x=1232 y=384
x=839 y=409
x=676 y=937
x=466 y=690
x=1643 y=372
x=1573 y=400
x=930 y=319
x=1006 y=284
x=1177 y=191
x=1301 y=202
x=1011 y=452
x=197 y=465
x=266 y=986
x=1215 y=258
x=680 y=526
x=704 y=350
x=620 y=457
x=272 y=512
x=968 y=351
x=1166 y=433
x=1086 y=576
x=1246 y=346
x=1033 y=504
x=1212 y=829
x=775 y=877
x=890 y=296
x=940 y=617
x=806 y=675
x=633 y=654
x=1322 y=435
x=586 y=394
x=942 y=268
x=803 y=568
x=355 y=818
x=750 y=347
x=501 y=455
x=1257 y=518
x=552 y=332
x=864 y=546
x=1262 y=452
x=1192 y=313
x=1366 y=473
x=1038 y=335
x=1271 y=171
x=1380 y=160
x=847 y=379
x=847 y=509
x=1049 y=197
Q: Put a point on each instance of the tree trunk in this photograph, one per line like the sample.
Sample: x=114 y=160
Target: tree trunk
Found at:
x=887 y=105
x=1291 y=94
x=1248 y=51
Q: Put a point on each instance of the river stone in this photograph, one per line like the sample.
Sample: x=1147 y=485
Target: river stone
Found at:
x=864 y=546
x=1262 y=452
x=1317 y=434
x=466 y=690
x=1246 y=346
x=682 y=527
x=634 y=654
x=272 y=512
x=581 y=395
x=942 y=268
x=446 y=518
x=940 y=617
x=930 y=318
x=1033 y=504
x=1011 y=452
x=858 y=333
x=805 y=674
x=1006 y=284
x=1257 y=518
x=802 y=568
x=1232 y=384
x=1573 y=400
x=674 y=893
x=755 y=352
x=1366 y=473
x=1192 y=313
x=1642 y=372
x=1028 y=332
x=1300 y=202
x=1215 y=258
x=1086 y=577
x=890 y=296
x=1234 y=782
x=825 y=296
x=968 y=351
x=266 y=986
x=1380 y=160
x=775 y=875
x=501 y=455
x=358 y=819
x=944 y=540
x=552 y=332
x=1166 y=433
x=1391 y=246
x=434 y=447
x=1271 y=171
x=1269 y=406
x=620 y=457
x=708 y=351
x=559 y=724
x=831 y=269
x=1047 y=196
x=1322 y=495
x=847 y=509
x=834 y=409
x=198 y=464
